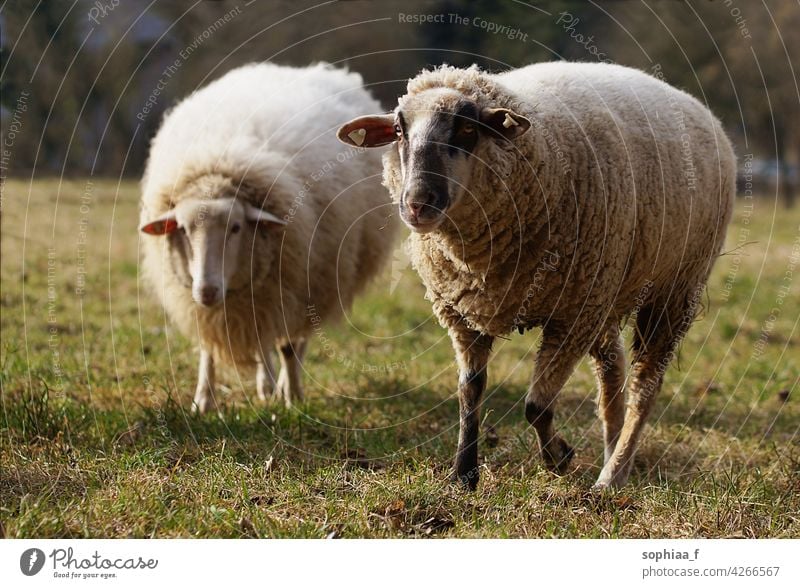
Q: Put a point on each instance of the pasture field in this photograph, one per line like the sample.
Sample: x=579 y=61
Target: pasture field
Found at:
x=96 y=439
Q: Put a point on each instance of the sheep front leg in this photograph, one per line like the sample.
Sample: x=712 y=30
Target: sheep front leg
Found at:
x=204 y=394
x=265 y=375
x=472 y=355
x=555 y=362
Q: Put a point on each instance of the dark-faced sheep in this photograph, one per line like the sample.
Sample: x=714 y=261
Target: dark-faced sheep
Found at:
x=565 y=196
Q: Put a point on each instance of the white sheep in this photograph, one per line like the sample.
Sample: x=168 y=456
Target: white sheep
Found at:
x=565 y=196
x=264 y=225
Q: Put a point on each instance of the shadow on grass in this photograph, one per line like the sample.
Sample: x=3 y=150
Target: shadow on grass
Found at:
x=327 y=429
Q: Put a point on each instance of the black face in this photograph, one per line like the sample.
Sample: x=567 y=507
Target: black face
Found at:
x=463 y=129
x=434 y=148
x=436 y=132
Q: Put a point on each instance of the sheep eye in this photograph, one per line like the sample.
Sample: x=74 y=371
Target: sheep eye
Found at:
x=468 y=129
x=398 y=131
x=235 y=228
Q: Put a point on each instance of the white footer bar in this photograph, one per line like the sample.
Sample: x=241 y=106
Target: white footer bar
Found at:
x=389 y=563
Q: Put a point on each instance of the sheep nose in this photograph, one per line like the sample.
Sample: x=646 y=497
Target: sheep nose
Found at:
x=415 y=208
x=208 y=295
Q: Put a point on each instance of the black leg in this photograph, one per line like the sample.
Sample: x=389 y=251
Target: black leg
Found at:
x=555 y=362
x=556 y=452
x=472 y=353
x=469 y=398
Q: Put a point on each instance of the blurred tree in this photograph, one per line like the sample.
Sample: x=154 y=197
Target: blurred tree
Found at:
x=768 y=85
x=100 y=74
x=736 y=57
x=52 y=104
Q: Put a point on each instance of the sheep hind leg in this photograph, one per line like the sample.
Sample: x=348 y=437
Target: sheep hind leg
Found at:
x=289 y=385
x=659 y=328
x=555 y=362
x=204 y=399
x=608 y=354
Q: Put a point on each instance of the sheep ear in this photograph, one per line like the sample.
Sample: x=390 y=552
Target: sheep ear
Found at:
x=163 y=225
x=262 y=217
x=505 y=122
x=368 y=131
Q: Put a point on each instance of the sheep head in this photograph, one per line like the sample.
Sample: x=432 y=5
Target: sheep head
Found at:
x=206 y=238
x=437 y=133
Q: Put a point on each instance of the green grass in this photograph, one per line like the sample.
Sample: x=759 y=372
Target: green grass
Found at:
x=96 y=439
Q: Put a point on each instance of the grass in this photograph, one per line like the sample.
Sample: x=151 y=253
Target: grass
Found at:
x=96 y=439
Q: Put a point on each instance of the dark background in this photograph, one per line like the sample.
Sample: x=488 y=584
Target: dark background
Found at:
x=75 y=74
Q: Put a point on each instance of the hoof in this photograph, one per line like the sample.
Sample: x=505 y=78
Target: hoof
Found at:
x=602 y=488
x=608 y=481
x=202 y=408
x=465 y=477
x=207 y=406
x=469 y=483
x=557 y=455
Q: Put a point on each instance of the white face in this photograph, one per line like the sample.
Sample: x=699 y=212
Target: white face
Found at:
x=213 y=232
x=206 y=242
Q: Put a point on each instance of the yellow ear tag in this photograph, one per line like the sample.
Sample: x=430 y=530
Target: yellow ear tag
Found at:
x=357 y=136
x=509 y=122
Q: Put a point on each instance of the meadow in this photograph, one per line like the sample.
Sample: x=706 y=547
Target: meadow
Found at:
x=96 y=439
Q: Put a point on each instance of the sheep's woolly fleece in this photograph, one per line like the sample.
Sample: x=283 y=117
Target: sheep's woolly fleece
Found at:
x=617 y=196
x=266 y=133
